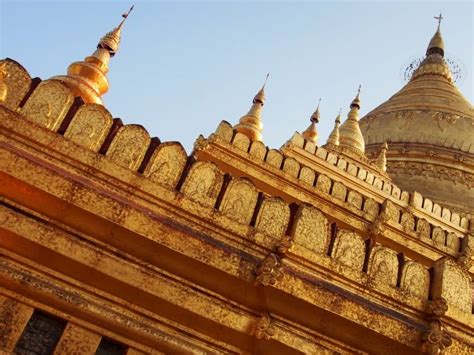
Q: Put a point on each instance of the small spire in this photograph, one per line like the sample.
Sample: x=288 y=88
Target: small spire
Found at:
x=381 y=161
x=311 y=133
x=251 y=124
x=436 y=45
x=333 y=139
x=111 y=41
x=87 y=78
x=350 y=134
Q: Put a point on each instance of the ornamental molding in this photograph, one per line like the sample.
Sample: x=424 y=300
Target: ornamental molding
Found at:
x=269 y=272
x=436 y=339
x=264 y=328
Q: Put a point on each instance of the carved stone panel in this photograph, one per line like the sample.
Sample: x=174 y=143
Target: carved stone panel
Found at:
x=339 y=191
x=48 y=104
x=383 y=265
x=391 y=211
x=371 y=208
x=307 y=175
x=273 y=217
x=89 y=126
x=378 y=183
x=349 y=249
x=423 y=228
x=203 y=183
x=355 y=199
x=428 y=205
x=311 y=229
x=396 y=192
x=239 y=200
x=453 y=242
x=16 y=83
x=225 y=131
x=166 y=164
x=408 y=222
x=291 y=166
x=439 y=236
x=446 y=214
x=241 y=142
x=323 y=183
x=258 y=150
x=453 y=284
x=415 y=279
x=274 y=158
x=129 y=146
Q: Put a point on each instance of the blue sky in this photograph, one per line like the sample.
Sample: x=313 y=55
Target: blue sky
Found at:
x=185 y=66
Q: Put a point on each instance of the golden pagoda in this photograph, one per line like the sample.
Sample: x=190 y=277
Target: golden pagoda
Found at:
x=113 y=242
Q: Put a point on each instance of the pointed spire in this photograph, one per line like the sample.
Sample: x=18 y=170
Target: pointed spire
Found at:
x=251 y=124
x=381 y=161
x=350 y=135
x=87 y=78
x=333 y=139
x=436 y=44
x=311 y=132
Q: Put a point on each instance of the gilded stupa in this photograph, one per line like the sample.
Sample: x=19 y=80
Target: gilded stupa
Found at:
x=113 y=242
x=429 y=126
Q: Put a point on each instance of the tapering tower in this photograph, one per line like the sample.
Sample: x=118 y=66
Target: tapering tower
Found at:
x=429 y=126
x=88 y=78
x=311 y=133
x=350 y=136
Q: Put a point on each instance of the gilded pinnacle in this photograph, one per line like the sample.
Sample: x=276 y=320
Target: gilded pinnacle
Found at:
x=333 y=139
x=381 y=161
x=311 y=132
x=350 y=135
x=436 y=44
x=111 y=41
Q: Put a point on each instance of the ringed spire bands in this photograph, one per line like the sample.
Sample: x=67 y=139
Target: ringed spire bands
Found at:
x=251 y=124
x=311 y=133
x=87 y=78
x=350 y=135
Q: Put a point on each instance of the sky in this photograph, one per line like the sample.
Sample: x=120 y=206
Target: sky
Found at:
x=183 y=66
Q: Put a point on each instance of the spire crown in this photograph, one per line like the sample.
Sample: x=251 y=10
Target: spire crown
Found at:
x=260 y=96
x=316 y=115
x=436 y=45
x=111 y=41
x=356 y=102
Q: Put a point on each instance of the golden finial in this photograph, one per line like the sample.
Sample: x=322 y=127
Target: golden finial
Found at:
x=87 y=78
x=111 y=41
x=311 y=133
x=436 y=45
x=381 y=161
x=350 y=134
x=333 y=139
x=251 y=123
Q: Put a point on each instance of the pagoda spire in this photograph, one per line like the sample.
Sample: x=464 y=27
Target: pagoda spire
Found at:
x=311 y=132
x=350 y=135
x=87 y=78
x=436 y=44
x=333 y=139
x=381 y=161
x=251 y=124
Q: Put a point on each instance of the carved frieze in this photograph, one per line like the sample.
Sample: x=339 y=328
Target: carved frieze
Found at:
x=264 y=328
x=270 y=271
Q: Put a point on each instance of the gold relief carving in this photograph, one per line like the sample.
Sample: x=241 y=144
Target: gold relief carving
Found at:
x=383 y=265
x=273 y=217
x=415 y=279
x=452 y=283
x=436 y=339
x=453 y=241
x=270 y=271
x=201 y=143
x=274 y=158
x=48 y=104
x=203 y=183
x=408 y=222
x=378 y=226
x=339 y=191
x=438 y=236
x=396 y=192
x=323 y=183
x=423 y=228
x=446 y=214
x=89 y=126
x=307 y=175
x=239 y=200
x=387 y=187
x=465 y=258
x=349 y=249
x=129 y=146
x=455 y=218
x=428 y=205
x=285 y=245
x=403 y=118
x=371 y=209
x=15 y=82
x=225 y=131
x=291 y=166
x=391 y=210
x=437 y=209
x=166 y=164
x=241 y=142
x=355 y=199
x=258 y=150
x=311 y=229
x=378 y=183
x=444 y=119
x=264 y=327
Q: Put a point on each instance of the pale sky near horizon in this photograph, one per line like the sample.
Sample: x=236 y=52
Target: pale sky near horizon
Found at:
x=184 y=66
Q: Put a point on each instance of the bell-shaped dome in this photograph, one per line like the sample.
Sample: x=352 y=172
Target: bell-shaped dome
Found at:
x=429 y=125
